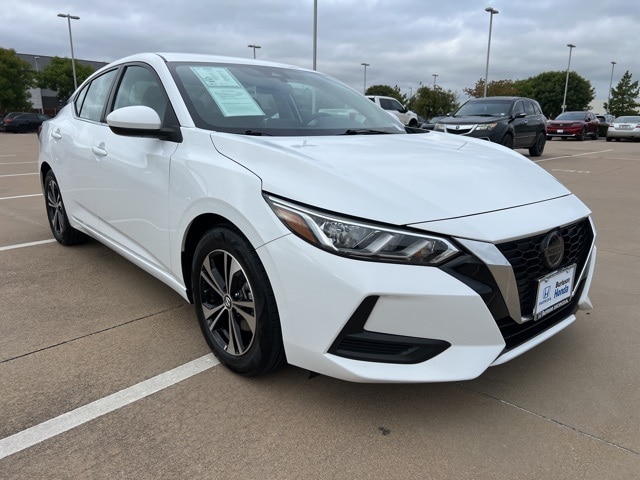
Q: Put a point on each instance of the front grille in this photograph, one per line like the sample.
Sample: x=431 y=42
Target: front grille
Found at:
x=525 y=256
x=459 y=131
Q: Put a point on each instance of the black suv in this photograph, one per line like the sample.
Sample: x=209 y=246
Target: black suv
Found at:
x=22 y=122
x=515 y=122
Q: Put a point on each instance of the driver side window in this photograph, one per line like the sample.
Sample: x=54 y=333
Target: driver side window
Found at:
x=139 y=86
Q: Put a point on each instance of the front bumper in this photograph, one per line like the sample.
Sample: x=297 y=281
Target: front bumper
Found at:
x=445 y=315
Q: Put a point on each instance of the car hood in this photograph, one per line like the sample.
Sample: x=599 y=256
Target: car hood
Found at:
x=471 y=119
x=396 y=179
x=564 y=122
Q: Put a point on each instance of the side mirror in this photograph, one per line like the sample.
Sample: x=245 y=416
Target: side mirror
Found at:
x=520 y=115
x=141 y=121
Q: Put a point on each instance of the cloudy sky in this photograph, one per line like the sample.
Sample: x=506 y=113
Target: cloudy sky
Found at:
x=405 y=42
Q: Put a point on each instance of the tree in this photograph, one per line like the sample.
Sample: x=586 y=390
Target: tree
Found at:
x=494 y=88
x=58 y=76
x=16 y=77
x=548 y=89
x=433 y=101
x=624 y=97
x=387 y=91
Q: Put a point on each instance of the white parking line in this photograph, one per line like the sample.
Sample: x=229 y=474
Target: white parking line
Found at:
x=19 y=175
x=23 y=245
x=21 y=196
x=39 y=433
x=17 y=163
x=571 y=156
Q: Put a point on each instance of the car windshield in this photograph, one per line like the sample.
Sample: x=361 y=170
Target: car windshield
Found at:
x=485 y=108
x=571 y=116
x=272 y=100
x=630 y=119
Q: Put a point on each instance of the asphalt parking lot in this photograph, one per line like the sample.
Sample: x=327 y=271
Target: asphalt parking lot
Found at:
x=104 y=372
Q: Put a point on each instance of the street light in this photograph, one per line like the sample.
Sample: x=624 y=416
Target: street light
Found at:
x=254 y=49
x=39 y=89
x=613 y=64
x=566 y=83
x=365 y=65
x=492 y=12
x=315 y=32
x=434 y=75
x=73 y=60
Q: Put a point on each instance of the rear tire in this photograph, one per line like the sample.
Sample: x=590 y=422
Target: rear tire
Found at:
x=63 y=232
x=235 y=304
x=538 y=146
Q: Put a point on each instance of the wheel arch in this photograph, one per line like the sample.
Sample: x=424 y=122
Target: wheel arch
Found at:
x=44 y=169
x=197 y=228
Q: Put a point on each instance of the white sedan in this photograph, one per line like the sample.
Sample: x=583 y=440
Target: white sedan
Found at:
x=308 y=226
x=625 y=127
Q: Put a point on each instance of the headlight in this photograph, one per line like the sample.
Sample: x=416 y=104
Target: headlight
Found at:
x=439 y=127
x=361 y=240
x=486 y=126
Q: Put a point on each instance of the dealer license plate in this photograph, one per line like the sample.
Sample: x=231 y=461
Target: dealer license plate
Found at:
x=554 y=291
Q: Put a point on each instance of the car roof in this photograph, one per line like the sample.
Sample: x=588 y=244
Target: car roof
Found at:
x=197 y=57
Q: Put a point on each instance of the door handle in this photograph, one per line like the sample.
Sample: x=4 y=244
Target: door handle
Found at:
x=57 y=135
x=99 y=150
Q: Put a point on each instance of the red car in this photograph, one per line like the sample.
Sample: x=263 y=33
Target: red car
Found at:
x=573 y=124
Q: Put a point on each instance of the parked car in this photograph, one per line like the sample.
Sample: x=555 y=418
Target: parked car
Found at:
x=603 y=125
x=306 y=225
x=576 y=125
x=22 y=122
x=627 y=127
x=393 y=106
x=514 y=122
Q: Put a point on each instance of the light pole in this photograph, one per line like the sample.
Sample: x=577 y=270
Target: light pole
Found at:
x=434 y=75
x=40 y=90
x=492 y=12
x=613 y=64
x=73 y=60
x=254 y=49
x=315 y=32
x=566 y=83
x=365 y=65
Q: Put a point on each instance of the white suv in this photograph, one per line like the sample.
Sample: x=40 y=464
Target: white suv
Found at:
x=393 y=106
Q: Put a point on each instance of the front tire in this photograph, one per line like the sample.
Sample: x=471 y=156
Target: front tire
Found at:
x=63 y=232
x=507 y=141
x=235 y=304
x=538 y=147
x=581 y=136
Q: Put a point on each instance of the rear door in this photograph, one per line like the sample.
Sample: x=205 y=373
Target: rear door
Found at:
x=75 y=163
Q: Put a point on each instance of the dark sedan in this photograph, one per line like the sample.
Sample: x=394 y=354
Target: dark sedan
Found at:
x=22 y=122
x=576 y=125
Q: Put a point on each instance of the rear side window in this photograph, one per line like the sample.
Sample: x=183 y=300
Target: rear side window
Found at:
x=90 y=102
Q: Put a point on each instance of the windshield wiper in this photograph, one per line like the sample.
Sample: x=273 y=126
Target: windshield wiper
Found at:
x=363 y=131
x=257 y=133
